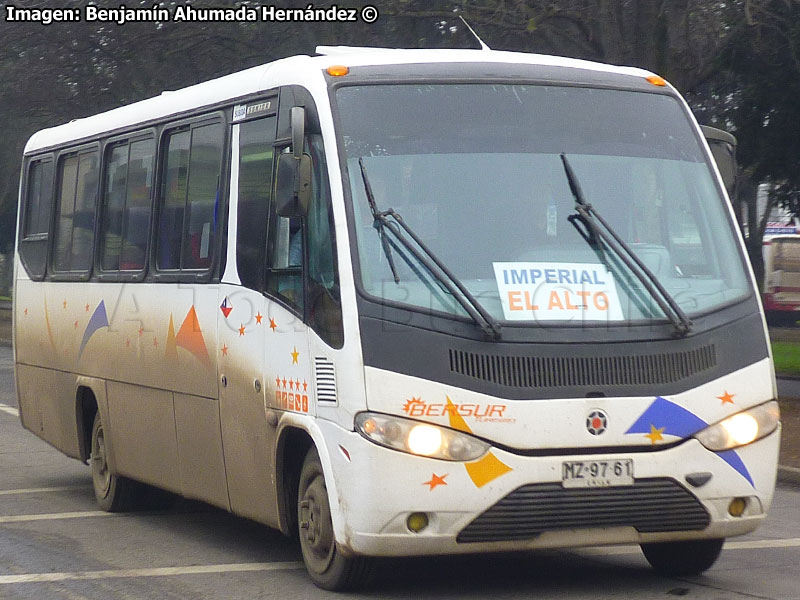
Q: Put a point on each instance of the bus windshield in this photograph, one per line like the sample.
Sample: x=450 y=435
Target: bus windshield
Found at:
x=475 y=171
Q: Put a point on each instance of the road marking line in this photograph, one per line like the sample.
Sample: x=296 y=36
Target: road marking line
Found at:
x=732 y=545
x=65 y=488
x=157 y=572
x=55 y=516
x=9 y=409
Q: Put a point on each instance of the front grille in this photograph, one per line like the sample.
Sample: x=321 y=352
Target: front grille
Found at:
x=563 y=371
x=650 y=505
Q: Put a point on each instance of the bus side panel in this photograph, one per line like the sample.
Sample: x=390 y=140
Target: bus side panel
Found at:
x=47 y=406
x=143 y=434
x=202 y=467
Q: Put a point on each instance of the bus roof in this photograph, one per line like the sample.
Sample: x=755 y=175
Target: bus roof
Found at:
x=292 y=70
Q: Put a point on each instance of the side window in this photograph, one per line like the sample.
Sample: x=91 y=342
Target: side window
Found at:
x=324 y=304
x=256 y=158
x=189 y=197
x=285 y=249
x=298 y=247
x=75 y=212
x=126 y=206
x=36 y=217
x=40 y=198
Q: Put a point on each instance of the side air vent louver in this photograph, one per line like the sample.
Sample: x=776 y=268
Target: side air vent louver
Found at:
x=563 y=371
x=325 y=374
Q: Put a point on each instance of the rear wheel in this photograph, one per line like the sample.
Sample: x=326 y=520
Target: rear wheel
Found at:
x=327 y=566
x=683 y=558
x=114 y=493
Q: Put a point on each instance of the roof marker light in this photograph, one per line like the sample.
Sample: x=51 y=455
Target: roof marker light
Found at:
x=338 y=70
x=656 y=80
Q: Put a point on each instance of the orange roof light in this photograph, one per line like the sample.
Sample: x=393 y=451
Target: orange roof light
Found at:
x=338 y=70
x=656 y=80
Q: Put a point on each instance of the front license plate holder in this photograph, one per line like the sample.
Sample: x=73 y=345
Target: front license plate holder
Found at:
x=597 y=473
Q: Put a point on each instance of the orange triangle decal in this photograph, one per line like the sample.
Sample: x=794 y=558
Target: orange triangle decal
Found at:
x=171 y=350
x=191 y=337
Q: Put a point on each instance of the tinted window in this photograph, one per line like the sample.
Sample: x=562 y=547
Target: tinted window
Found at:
x=190 y=197
x=255 y=185
x=40 y=198
x=126 y=206
x=76 y=212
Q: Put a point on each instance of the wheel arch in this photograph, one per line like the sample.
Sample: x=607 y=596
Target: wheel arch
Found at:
x=294 y=442
x=90 y=398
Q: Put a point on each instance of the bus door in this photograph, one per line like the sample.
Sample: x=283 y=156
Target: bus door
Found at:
x=242 y=323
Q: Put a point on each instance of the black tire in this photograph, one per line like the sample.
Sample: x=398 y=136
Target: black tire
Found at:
x=114 y=493
x=782 y=318
x=682 y=558
x=325 y=563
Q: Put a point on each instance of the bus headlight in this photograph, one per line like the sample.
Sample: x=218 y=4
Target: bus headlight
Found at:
x=422 y=439
x=742 y=428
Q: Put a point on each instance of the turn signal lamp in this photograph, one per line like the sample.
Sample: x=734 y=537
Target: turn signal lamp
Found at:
x=737 y=506
x=656 y=80
x=416 y=522
x=338 y=70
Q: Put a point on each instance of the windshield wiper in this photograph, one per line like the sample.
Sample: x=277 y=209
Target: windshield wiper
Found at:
x=592 y=220
x=394 y=222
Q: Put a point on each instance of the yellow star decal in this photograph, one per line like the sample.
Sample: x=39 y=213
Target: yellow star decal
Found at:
x=295 y=354
x=655 y=434
x=726 y=398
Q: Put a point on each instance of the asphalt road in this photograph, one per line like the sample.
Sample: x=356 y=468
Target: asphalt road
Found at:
x=54 y=543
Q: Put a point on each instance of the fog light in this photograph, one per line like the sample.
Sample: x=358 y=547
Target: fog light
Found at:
x=416 y=522
x=737 y=506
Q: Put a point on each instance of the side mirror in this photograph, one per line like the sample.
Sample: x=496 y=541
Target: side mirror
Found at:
x=298 y=122
x=293 y=186
x=723 y=148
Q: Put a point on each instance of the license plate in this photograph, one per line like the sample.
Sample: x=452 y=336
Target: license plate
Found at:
x=597 y=473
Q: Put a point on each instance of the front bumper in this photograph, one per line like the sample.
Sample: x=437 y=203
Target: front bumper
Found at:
x=376 y=489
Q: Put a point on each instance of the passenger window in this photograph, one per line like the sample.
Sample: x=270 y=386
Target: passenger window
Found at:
x=36 y=218
x=126 y=206
x=190 y=198
x=40 y=198
x=256 y=156
x=75 y=216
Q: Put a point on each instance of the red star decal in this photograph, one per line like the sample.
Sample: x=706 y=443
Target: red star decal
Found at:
x=726 y=398
x=241 y=330
x=259 y=316
x=277 y=382
x=284 y=384
x=297 y=384
x=87 y=308
x=305 y=386
x=291 y=384
x=436 y=480
x=272 y=324
x=224 y=350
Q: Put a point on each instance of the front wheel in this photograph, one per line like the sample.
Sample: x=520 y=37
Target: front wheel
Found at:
x=114 y=493
x=682 y=558
x=325 y=563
